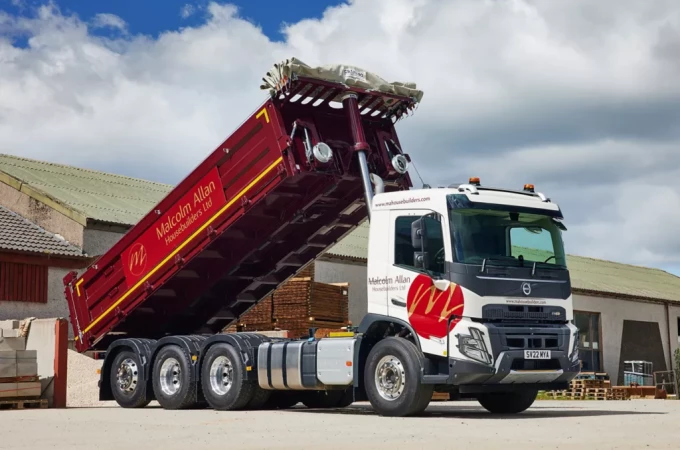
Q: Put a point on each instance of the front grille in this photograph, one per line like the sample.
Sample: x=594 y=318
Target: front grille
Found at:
x=524 y=312
x=548 y=342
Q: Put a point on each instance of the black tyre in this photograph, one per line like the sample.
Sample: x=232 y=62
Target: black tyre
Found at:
x=347 y=398
x=259 y=398
x=282 y=400
x=223 y=379
x=392 y=378
x=127 y=384
x=508 y=402
x=173 y=380
x=322 y=399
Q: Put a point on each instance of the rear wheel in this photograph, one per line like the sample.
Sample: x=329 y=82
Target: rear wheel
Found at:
x=259 y=399
x=173 y=380
x=127 y=384
x=322 y=399
x=282 y=400
x=223 y=379
x=392 y=378
x=508 y=402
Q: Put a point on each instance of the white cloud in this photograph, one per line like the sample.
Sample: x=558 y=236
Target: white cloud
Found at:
x=187 y=11
x=579 y=97
x=105 y=20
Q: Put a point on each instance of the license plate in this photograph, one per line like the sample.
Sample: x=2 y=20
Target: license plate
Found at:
x=536 y=354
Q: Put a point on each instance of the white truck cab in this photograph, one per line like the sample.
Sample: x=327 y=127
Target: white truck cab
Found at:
x=479 y=275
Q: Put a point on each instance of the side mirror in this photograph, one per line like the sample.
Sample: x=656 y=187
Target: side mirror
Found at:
x=421 y=260
x=419 y=234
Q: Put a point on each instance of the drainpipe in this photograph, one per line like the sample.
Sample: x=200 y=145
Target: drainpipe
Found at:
x=668 y=331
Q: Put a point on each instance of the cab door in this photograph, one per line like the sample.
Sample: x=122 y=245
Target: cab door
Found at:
x=412 y=295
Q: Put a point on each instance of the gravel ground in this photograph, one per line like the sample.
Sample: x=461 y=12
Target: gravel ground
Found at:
x=82 y=379
x=633 y=424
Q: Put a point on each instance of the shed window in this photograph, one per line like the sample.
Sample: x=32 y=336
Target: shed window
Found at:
x=23 y=282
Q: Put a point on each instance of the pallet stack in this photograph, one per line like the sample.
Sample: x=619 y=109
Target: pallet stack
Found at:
x=591 y=386
x=19 y=382
x=298 y=305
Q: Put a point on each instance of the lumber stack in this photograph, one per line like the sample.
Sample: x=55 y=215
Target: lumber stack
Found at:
x=19 y=382
x=591 y=386
x=296 y=306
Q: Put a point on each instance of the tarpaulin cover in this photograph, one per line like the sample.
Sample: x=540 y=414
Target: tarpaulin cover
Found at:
x=282 y=73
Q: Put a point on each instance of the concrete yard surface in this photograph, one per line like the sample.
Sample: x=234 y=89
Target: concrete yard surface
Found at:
x=630 y=424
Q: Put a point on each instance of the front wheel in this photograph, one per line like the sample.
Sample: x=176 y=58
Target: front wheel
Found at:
x=392 y=378
x=508 y=402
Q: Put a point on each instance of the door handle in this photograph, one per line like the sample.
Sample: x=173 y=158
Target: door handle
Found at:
x=398 y=303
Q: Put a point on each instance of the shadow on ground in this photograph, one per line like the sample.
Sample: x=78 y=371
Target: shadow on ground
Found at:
x=458 y=411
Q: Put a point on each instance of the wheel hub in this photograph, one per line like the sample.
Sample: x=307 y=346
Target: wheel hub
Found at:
x=221 y=375
x=170 y=376
x=390 y=378
x=127 y=375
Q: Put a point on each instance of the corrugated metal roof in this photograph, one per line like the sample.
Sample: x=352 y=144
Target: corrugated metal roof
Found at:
x=19 y=234
x=587 y=274
x=95 y=195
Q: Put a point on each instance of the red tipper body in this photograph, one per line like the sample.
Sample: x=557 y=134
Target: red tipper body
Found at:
x=250 y=216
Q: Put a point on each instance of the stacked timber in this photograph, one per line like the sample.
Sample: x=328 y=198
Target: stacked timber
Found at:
x=591 y=386
x=298 y=305
x=19 y=382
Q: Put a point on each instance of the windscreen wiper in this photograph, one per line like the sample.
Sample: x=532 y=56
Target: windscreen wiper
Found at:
x=494 y=259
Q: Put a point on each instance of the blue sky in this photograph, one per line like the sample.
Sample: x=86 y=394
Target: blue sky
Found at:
x=151 y=17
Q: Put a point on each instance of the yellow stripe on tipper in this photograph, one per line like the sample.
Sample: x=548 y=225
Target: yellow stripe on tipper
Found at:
x=266 y=116
x=236 y=198
x=78 y=286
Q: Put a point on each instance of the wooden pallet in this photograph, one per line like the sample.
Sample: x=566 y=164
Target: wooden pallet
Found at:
x=23 y=403
x=29 y=379
x=441 y=397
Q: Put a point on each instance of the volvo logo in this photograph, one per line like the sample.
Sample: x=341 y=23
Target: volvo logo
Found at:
x=526 y=288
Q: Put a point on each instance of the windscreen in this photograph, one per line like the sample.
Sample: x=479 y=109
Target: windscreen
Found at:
x=505 y=235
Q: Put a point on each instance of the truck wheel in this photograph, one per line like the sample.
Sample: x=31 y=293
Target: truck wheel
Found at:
x=282 y=400
x=173 y=380
x=392 y=378
x=259 y=399
x=127 y=386
x=322 y=399
x=223 y=379
x=508 y=402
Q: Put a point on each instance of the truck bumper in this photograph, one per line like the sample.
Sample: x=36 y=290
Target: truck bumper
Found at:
x=505 y=359
x=468 y=372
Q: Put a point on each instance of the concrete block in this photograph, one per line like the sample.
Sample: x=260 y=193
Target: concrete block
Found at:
x=8 y=390
x=12 y=343
x=10 y=333
x=28 y=389
x=9 y=324
x=8 y=364
x=27 y=363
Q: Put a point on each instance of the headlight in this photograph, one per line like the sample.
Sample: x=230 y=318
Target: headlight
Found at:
x=473 y=346
x=574 y=348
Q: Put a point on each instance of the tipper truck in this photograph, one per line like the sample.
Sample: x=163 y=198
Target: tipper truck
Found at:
x=468 y=289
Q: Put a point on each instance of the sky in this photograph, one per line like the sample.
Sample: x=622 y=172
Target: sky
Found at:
x=580 y=98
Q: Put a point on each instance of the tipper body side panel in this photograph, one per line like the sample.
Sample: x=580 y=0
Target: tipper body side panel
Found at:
x=251 y=215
